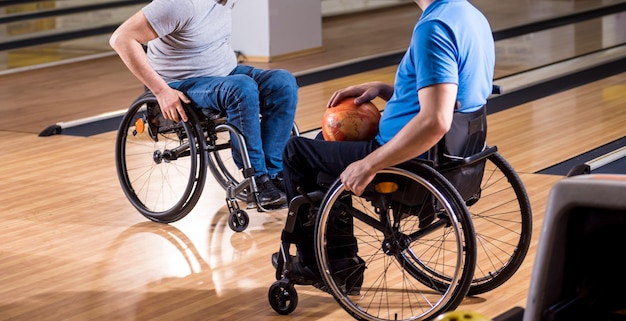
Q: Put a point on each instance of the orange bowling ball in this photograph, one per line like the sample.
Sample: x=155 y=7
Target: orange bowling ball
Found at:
x=348 y=121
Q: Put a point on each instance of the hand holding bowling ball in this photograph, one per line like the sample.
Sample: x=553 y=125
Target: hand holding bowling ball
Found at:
x=350 y=122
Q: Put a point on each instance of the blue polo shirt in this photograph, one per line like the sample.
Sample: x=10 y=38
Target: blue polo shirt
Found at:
x=452 y=43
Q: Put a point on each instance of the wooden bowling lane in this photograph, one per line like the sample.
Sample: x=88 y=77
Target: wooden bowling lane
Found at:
x=536 y=135
x=541 y=49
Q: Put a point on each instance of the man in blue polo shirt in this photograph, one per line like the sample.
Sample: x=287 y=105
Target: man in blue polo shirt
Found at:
x=450 y=60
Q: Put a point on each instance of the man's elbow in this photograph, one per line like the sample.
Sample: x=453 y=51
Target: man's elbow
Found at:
x=113 y=41
x=440 y=127
x=117 y=40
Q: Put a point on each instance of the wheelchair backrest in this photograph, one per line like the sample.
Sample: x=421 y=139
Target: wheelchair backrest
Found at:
x=466 y=137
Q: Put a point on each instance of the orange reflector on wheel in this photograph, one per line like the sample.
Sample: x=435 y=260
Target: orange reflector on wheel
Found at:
x=139 y=125
x=386 y=187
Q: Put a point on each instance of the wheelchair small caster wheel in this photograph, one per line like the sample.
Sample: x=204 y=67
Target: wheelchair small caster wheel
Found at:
x=238 y=220
x=283 y=297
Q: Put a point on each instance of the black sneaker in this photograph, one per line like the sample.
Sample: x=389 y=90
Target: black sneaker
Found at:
x=354 y=276
x=279 y=182
x=301 y=274
x=269 y=195
x=348 y=275
x=298 y=273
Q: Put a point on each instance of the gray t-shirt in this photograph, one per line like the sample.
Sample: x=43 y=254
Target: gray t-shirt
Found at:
x=194 y=38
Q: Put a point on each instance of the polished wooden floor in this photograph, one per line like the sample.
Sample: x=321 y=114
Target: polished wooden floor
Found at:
x=73 y=247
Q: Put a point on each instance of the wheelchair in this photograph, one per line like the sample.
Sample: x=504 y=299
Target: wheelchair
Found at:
x=162 y=165
x=426 y=233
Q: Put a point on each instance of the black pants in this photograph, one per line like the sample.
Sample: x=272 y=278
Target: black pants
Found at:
x=303 y=160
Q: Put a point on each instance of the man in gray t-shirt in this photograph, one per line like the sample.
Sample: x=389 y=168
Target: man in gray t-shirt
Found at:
x=189 y=58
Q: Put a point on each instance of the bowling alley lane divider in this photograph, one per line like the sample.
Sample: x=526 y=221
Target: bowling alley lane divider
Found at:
x=607 y=159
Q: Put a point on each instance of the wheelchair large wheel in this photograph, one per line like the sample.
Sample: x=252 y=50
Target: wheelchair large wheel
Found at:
x=160 y=164
x=382 y=255
x=502 y=219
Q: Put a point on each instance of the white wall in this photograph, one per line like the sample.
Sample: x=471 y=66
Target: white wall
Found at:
x=251 y=27
x=268 y=28
x=264 y=29
x=295 y=25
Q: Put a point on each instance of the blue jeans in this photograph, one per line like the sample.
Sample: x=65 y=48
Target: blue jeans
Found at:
x=243 y=95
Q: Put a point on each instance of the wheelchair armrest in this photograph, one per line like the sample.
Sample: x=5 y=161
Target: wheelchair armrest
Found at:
x=453 y=163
